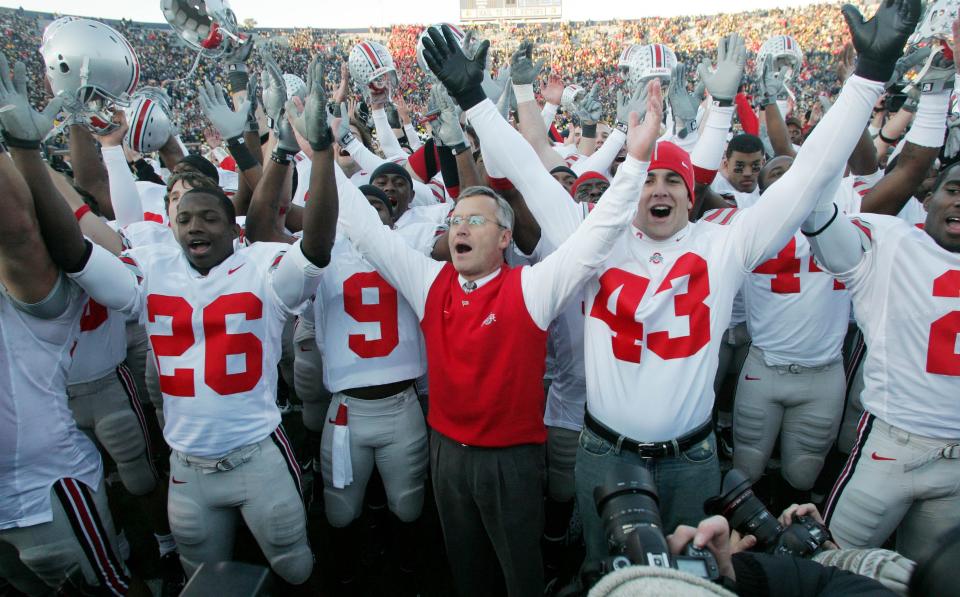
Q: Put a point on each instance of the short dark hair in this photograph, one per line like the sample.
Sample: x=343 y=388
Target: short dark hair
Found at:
x=191 y=177
x=744 y=143
x=217 y=192
x=202 y=165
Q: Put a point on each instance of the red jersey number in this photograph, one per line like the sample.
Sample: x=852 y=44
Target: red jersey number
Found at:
x=628 y=332
x=942 y=356
x=383 y=312
x=94 y=315
x=218 y=343
x=785 y=269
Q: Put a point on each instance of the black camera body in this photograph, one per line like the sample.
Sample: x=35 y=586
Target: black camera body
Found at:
x=747 y=514
x=628 y=505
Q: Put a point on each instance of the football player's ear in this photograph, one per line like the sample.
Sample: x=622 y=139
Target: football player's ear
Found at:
x=237 y=230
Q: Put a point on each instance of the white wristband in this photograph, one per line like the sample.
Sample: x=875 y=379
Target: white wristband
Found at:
x=524 y=93
x=930 y=121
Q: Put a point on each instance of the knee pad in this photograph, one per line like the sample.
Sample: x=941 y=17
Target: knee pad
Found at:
x=122 y=437
x=294 y=565
x=286 y=523
x=407 y=505
x=801 y=472
x=340 y=507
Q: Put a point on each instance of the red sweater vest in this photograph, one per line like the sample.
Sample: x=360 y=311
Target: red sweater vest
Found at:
x=485 y=361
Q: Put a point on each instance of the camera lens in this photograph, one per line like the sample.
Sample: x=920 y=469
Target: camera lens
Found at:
x=744 y=510
x=628 y=506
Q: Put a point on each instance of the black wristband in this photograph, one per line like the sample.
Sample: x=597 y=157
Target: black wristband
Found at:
x=324 y=142
x=836 y=212
x=588 y=130
x=469 y=98
x=20 y=143
x=241 y=153
x=886 y=139
x=280 y=156
x=237 y=78
x=78 y=267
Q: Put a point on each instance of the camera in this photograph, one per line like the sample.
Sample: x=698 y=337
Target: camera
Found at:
x=628 y=505
x=747 y=514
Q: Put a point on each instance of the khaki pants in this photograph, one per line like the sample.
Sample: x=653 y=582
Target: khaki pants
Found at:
x=896 y=481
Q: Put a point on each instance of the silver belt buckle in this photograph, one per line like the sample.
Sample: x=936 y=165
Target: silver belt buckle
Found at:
x=793 y=368
x=951 y=451
x=226 y=464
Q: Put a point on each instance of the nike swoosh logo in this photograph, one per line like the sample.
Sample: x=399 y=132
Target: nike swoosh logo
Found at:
x=176 y=482
x=876 y=457
x=235 y=269
x=748 y=378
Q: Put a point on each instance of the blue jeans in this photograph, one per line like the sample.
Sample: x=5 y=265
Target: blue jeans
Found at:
x=683 y=483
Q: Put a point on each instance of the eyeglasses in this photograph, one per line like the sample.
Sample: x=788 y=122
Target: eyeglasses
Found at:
x=473 y=221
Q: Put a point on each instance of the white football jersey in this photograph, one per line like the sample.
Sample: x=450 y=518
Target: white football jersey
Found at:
x=913 y=212
x=102 y=344
x=217 y=341
x=141 y=234
x=151 y=198
x=655 y=317
x=39 y=440
x=367 y=331
x=906 y=296
x=797 y=314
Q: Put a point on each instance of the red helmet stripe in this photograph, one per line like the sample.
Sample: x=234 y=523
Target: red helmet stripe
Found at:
x=371 y=55
x=659 y=60
x=145 y=108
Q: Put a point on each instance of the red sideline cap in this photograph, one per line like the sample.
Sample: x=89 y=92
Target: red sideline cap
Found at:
x=671 y=157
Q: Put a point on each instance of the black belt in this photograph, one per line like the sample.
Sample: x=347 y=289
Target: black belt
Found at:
x=667 y=449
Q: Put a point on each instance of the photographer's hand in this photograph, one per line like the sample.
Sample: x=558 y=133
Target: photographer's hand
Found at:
x=713 y=534
x=786 y=519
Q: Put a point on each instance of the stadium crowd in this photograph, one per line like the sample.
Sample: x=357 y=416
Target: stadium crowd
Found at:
x=578 y=52
x=407 y=323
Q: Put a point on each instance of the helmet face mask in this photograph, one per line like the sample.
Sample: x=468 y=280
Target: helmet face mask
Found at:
x=205 y=25
x=785 y=51
x=372 y=70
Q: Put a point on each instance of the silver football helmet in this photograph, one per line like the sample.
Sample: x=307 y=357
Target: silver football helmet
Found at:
x=92 y=67
x=372 y=69
x=649 y=61
x=148 y=118
x=785 y=51
x=205 y=25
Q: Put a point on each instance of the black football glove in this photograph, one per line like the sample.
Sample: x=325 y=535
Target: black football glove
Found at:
x=460 y=75
x=879 y=42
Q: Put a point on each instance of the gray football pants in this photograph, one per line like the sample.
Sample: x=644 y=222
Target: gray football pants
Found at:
x=803 y=405
x=389 y=433
x=109 y=409
x=261 y=483
x=896 y=481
